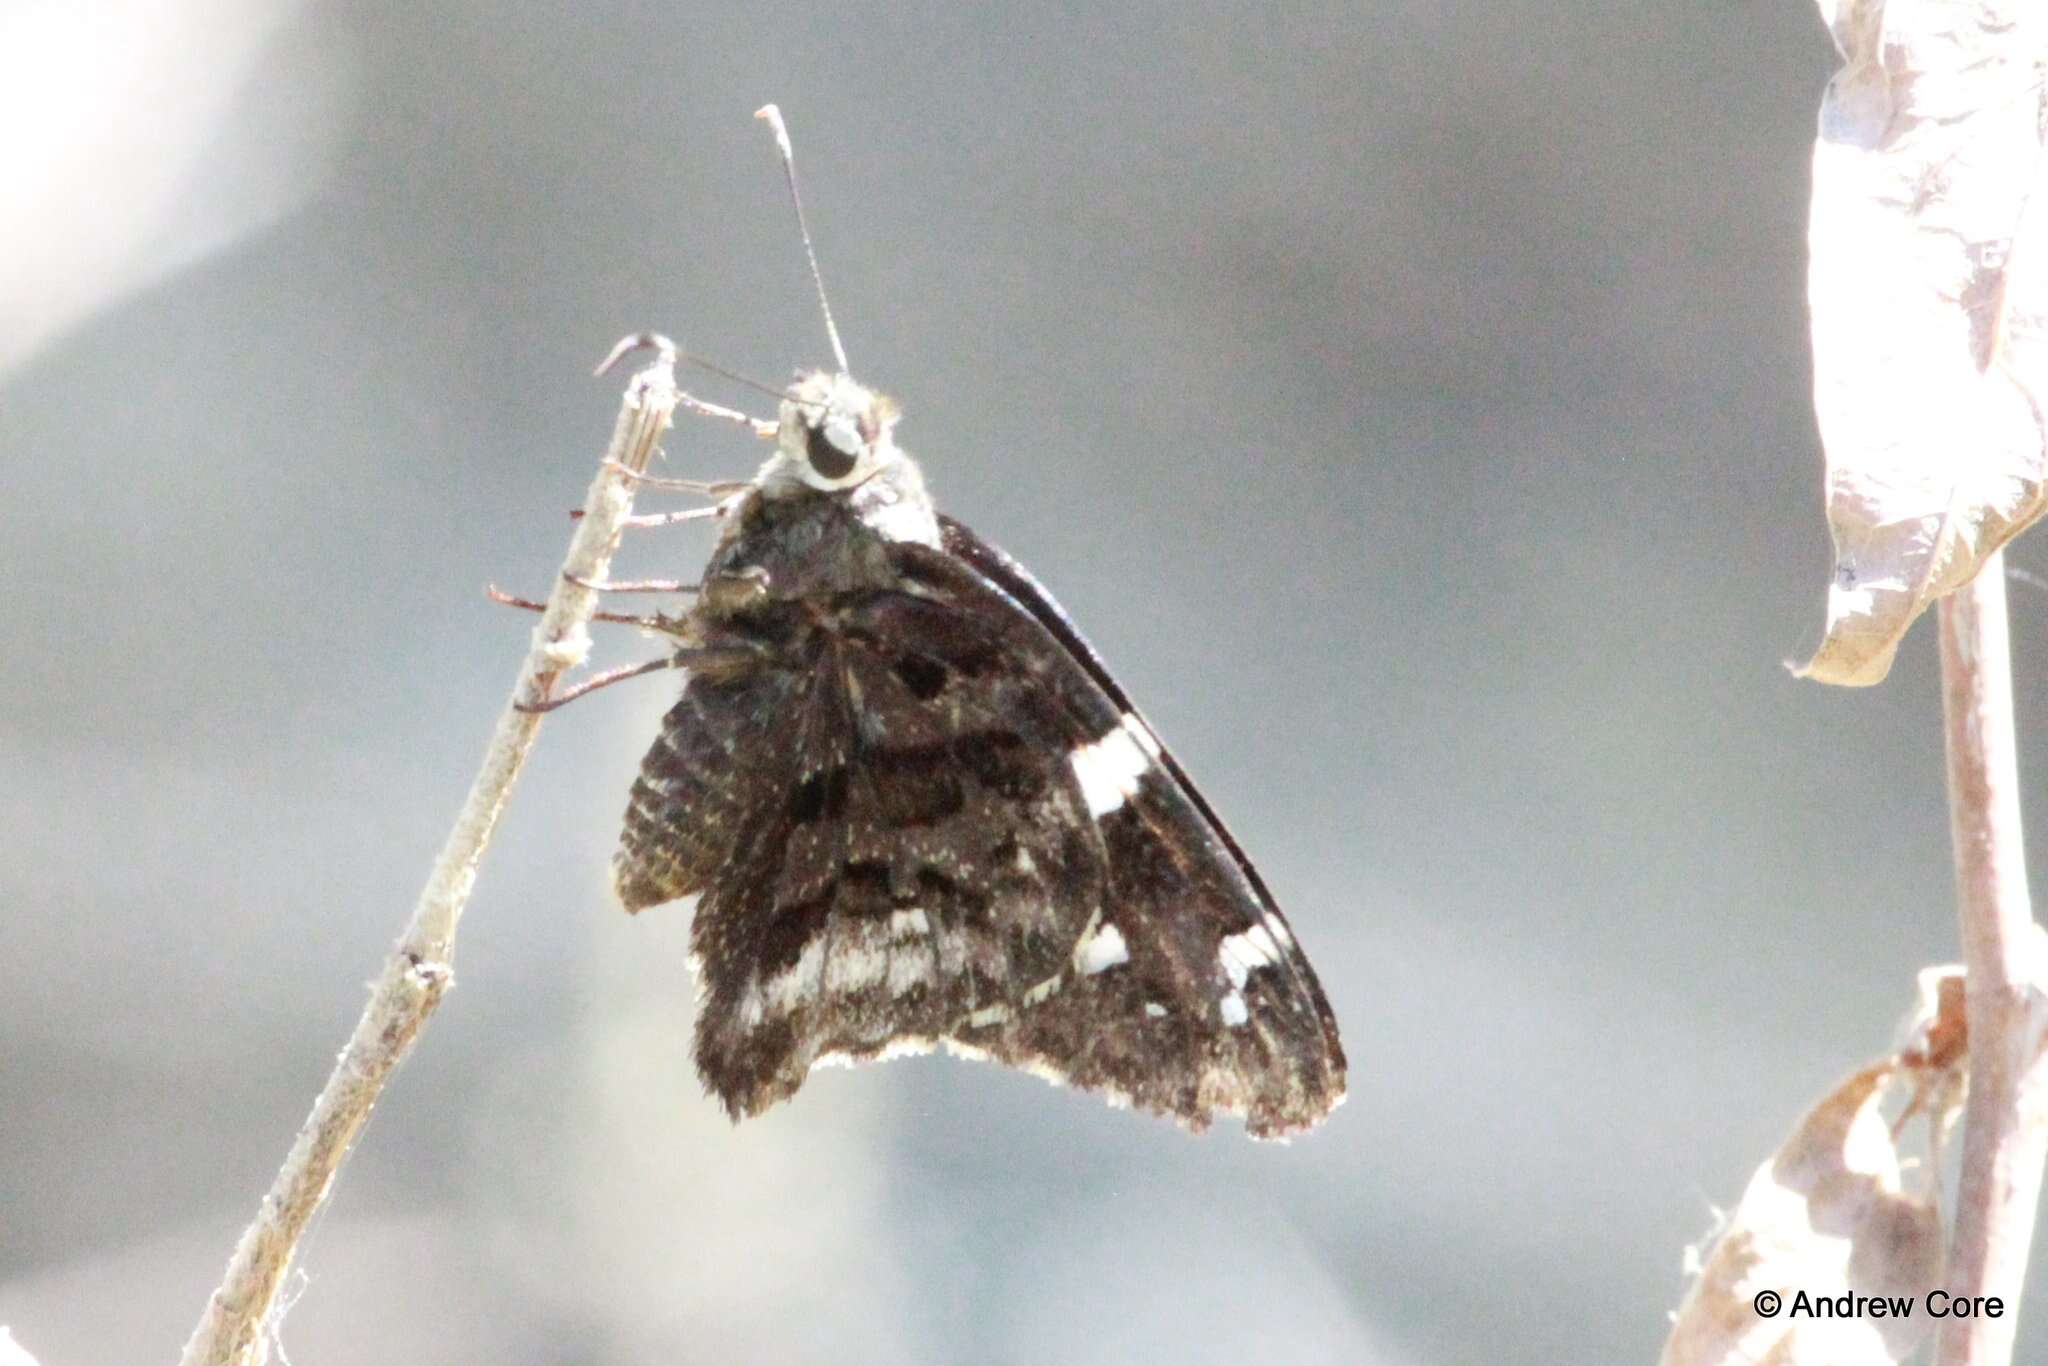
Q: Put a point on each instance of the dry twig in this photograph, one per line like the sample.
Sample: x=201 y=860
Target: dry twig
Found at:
x=2005 y=1135
x=231 y=1330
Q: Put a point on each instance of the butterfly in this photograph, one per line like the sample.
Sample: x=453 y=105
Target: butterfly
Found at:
x=917 y=812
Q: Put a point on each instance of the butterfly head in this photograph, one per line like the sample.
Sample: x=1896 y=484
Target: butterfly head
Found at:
x=834 y=434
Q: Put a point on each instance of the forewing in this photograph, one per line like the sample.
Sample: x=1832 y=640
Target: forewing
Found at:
x=1267 y=1045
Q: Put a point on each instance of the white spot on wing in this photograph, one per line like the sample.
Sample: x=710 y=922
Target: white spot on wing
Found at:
x=1101 y=951
x=1109 y=769
x=988 y=1015
x=854 y=966
x=908 y=970
x=1233 y=1008
x=904 y=520
x=800 y=981
x=1155 y=1010
x=1241 y=954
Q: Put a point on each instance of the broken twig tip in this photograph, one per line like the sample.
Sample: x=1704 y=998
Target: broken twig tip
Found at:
x=663 y=348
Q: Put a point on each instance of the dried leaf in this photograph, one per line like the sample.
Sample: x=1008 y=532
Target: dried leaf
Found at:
x=1928 y=301
x=1824 y=1217
x=1935 y=1035
x=1934 y=1055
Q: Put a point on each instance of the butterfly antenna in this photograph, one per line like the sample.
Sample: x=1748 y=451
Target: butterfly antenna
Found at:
x=774 y=118
x=736 y=377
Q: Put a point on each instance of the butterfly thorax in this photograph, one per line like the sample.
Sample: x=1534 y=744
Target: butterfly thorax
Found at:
x=801 y=546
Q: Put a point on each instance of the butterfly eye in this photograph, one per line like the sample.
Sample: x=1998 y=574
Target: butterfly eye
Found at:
x=833 y=448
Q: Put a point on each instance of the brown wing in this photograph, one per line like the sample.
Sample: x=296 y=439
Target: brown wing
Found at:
x=929 y=817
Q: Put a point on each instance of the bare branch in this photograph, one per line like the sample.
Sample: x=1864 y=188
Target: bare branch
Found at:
x=2005 y=1126
x=231 y=1331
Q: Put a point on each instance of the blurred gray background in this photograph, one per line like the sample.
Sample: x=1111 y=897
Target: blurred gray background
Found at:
x=1410 y=399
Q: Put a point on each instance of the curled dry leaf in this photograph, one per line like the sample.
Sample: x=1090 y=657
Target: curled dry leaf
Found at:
x=1928 y=301
x=1826 y=1216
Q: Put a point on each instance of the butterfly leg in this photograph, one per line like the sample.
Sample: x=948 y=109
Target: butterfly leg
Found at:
x=719 y=489
x=759 y=426
x=671 y=518
x=631 y=585
x=664 y=518
x=659 y=621
x=684 y=658
x=594 y=682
